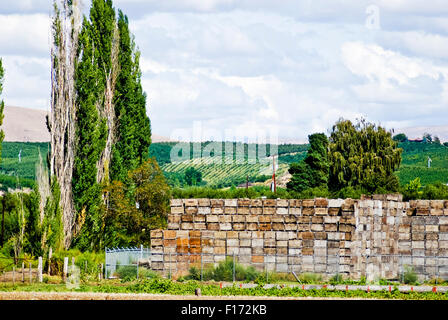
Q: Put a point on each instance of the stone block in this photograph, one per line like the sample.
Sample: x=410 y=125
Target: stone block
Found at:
x=321 y=211
x=217 y=210
x=186 y=226
x=307 y=251
x=317 y=227
x=432 y=228
x=282 y=244
x=173 y=226
x=230 y=210
x=217 y=203
x=278 y=226
x=295 y=211
x=230 y=202
x=242 y=210
x=291 y=226
x=333 y=211
x=177 y=210
x=320 y=235
x=269 y=210
x=281 y=210
x=190 y=202
x=213 y=226
x=255 y=210
x=308 y=203
x=225 y=226
x=212 y=218
x=225 y=218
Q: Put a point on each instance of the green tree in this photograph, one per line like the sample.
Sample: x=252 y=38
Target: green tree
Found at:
x=95 y=49
x=136 y=208
x=2 y=105
x=313 y=171
x=401 y=137
x=192 y=176
x=133 y=127
x=363 y=156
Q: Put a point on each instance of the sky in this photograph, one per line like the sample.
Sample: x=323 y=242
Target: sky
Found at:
x=229 y=69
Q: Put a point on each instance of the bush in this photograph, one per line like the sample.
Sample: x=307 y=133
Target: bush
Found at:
x=223 y=272
x=409 y=276
x=129 y=273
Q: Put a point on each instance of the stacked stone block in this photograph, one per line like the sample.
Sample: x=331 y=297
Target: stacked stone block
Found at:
x=373 y=237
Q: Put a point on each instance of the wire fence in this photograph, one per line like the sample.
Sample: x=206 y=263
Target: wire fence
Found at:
x=126 y=257
x=372 y=267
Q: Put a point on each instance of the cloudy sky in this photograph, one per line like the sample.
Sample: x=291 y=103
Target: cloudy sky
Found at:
x=247 y=66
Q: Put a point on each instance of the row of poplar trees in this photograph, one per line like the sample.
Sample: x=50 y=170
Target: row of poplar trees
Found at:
x=98 y=121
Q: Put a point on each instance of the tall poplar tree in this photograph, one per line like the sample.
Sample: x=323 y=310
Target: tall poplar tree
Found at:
x=2 y=105
x=133 y=126
x=92 y=71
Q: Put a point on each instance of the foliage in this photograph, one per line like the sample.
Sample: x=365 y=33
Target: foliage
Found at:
x=313 y=171
x=91 y=130
x=224 y=272
x=401 y=137
x=193 y=177
x=363 y=155
x=409 y=276
x=133 y=127
x=129 y=273
x=2 y=105
x=134 y=209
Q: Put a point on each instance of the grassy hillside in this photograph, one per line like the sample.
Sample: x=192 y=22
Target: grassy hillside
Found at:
x=414 y=164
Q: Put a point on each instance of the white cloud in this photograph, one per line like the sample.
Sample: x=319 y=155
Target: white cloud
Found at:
x=385 y=66
x=26 y=35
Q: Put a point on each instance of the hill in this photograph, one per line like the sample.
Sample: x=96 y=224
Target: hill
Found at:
x=221 y=174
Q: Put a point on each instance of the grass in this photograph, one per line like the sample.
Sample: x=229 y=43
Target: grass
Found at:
x=166 y=286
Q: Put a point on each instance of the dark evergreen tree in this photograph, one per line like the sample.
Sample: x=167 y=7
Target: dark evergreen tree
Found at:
x=313 y=171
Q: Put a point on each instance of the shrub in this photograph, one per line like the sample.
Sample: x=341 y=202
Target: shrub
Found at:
x=223 y=272
x=409 y=276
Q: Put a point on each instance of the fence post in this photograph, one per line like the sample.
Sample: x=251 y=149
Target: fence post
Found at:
x=50 y=253
x=39 y=269
x=233 y=266
x=201 y=267
x=31 y=276
x=170 y=264
x=437 y=268
x=23 y=271
x=13 y=275
x=65 y=268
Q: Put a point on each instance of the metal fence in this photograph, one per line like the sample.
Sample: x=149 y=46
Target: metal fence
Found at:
x=373 y=267
x=120 y=257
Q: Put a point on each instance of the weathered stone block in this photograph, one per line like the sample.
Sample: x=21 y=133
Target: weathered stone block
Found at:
x=217 y=210
x=308 y=203
x=186 y=226
x=321 y=211
x=242 y=210
x=177 y=210
x=225 y=226
x=282 y=210
x=213 y=226
x=278 y=226
x=212 y=218
x=230 y=210
x=230 y=202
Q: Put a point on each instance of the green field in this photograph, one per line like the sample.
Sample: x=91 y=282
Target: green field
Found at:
x=414 y=164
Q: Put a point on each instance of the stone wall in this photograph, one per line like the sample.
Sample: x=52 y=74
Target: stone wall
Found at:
x=373 y=237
